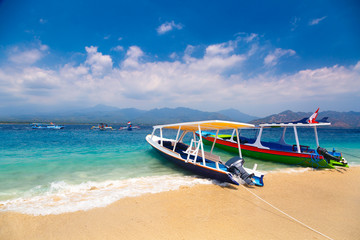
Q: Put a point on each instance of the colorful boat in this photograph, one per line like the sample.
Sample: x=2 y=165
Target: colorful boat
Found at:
x=46 y=126
x=129 y=127
x=191 y=155
x=280 y=151
x=102 y=127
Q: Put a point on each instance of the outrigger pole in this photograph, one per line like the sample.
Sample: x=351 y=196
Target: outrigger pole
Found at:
x=213 y=145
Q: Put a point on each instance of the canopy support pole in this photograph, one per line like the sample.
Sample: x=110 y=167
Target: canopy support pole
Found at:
x=161 y=137
x=152 y=134
x=238 y=142
x=297 y=140
x=176 y=139
x=282 y=139
x=316 y=137
x=257 y=142
x=232 y=135
x=213 y=145
x=194 y=137
x=201 y=145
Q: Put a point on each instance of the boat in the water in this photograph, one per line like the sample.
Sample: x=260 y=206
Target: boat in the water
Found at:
x=280 y=151
x=191 y=155
x=129 y=127
x=102 y=127
x=46 y=126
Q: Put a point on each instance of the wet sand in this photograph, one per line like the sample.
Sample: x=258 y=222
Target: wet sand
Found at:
x=327 y=201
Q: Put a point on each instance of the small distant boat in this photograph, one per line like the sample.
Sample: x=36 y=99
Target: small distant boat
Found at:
x=46 y=126
x=129 y=127
x=38 y=126
x=280 y=151
x=193 y=156
x=102 y=127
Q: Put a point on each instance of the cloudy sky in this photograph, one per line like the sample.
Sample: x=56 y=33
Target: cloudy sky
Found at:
x=260 y=57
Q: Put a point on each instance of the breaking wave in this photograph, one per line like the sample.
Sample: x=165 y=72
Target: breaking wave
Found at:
x=61 y=197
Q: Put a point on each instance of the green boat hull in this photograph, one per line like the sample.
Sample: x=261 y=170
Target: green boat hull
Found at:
x=306 y=160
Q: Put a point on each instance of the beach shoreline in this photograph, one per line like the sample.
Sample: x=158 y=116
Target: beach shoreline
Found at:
x=325 y=200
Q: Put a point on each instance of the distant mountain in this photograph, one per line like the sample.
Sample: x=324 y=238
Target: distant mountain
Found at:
x=114 y=115
x=237 y=115
x=99 y=113
x=338 y=119
x=103 y=113
x=180 y=114
x=100 y=108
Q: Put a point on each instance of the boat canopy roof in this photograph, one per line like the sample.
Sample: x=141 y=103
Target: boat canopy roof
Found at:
x=294 y=124
x=207 y=125
x=305 y=122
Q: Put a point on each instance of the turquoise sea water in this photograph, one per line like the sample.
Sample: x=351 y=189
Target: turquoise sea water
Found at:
x=48 y=171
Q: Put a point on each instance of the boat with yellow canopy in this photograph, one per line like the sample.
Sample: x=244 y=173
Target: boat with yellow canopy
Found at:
x=192 y=156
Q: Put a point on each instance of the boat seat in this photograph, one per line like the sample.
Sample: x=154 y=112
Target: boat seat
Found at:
x=211 y=157
x=180 y=147
x=167 y=144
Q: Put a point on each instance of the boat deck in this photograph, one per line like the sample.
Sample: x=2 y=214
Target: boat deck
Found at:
x=210 y=159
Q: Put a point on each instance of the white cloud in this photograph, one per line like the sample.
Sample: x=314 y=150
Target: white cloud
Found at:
x=173 y=55
x=215 y=63
x=316 y=21
x=251 y=37
x=247 y=37
x=201 y=83
x=220 y=49
x=168 y=26
x=272 y=58
x=28 y=56
x=133 y=56
x=253 y=49
x=189 y=50
x=43 y=47
x=71 y=73
x=100 y=64
x=218 y=58
x=294 y=22
x=118 y=48
x=357 y=67
x=39 y=79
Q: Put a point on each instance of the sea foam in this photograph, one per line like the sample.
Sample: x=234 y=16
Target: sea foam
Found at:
x=61 y=197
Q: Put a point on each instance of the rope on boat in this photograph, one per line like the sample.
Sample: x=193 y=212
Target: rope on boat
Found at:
x=348 y=153
x=312 y=229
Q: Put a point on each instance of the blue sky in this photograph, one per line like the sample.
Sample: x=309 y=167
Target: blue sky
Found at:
x=260 y=57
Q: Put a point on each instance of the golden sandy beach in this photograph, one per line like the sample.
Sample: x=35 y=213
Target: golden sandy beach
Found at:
x=327 y=201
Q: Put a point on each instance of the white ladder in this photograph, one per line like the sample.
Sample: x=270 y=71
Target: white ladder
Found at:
x=191 y=151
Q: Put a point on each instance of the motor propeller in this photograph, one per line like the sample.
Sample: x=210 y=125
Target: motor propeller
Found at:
x=328 y=156
x=235 y=166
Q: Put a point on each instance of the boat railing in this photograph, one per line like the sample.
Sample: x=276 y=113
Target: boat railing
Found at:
x=193 y=150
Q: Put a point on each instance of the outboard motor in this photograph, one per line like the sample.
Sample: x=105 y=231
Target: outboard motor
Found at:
x=235 y=166
x=326 y=155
